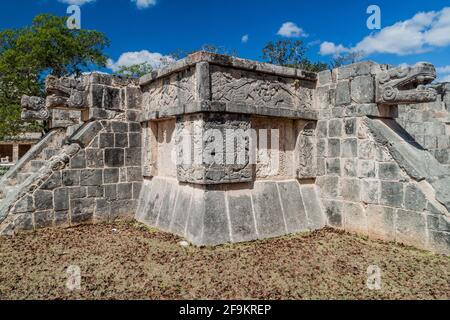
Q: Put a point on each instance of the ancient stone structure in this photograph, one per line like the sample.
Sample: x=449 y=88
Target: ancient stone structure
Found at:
x=219 y=149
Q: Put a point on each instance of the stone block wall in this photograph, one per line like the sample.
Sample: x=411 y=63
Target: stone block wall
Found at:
x=364 y=189
x=97 y=175
x=429 y=124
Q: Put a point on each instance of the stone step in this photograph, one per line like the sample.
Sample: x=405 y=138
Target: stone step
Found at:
x=36 y=165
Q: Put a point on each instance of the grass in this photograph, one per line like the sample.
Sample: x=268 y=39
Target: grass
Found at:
x=127 y=260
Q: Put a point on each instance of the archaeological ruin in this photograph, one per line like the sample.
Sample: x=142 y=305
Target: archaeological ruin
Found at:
x=218 y=150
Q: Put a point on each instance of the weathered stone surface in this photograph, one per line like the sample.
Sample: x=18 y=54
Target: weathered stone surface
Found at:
x=61 y=199
x=43 y=200
x=411 y=228
x=114 y=157
x=216 y=227
x=363 y=90
x=391 y=194
x=91 y=177
x=314 y=211
x=181 y=210
x=293 y=207
x=333 y=212
x=243 y=225
x=85 y=135
x=381 y=222
x=343 y=93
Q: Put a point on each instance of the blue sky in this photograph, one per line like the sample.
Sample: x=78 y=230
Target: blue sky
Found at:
x=413 y=30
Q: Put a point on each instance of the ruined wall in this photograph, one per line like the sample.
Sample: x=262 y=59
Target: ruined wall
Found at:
x=96 y=175
x=429 y=124
x=365 y=189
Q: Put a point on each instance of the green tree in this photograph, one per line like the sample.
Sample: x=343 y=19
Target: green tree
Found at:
x=135 y=70
x=28 y=54
x=290 y=53
x=347 y=58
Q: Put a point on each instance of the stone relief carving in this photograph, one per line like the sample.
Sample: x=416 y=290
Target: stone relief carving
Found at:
x=170 y=92
x=406 y=85
x=307 y=154
x=66 y=92
x=260 y=90
x=34 y=108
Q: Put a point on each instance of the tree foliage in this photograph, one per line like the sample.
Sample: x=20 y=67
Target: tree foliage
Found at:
x=290 y=53
x=135 y=70
x=28 y=54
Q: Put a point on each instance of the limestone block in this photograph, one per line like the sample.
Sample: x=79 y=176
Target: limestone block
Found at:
x=350 y=189
x=334 y=166
x=91 y=177
x=350 y=167
x=314 y=212
x=216 y=228
x=43 y=219
x=95 y=158
x=349 y=148
x=61 y=197
x=343 y=93
x=53 y=182
x=43 y=200
x=335 y=128
x=333 y=212
x=114 y=157
x=82 y=210
x=334 y=148
x=293 y=208
x=381 y=222
x=363 y=89
x=414 y=198
x=391 y=194
x=181 y=211
x=329 y=186
x=389 y=171
x=411 y=228
x=165 y=212
x=79 y=160
x=355 y=218
x=243 y=225
x=268 y=212
x=370 y=191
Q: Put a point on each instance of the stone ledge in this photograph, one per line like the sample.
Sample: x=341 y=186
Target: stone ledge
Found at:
x=229 y=107
x=227 y=61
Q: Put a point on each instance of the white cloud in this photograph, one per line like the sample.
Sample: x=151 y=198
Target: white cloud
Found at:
x=445 y=69
x=291 y=30
x=155 y=59
x=76 y=2
x=330 y=49
x=423 y=32
x=144 y=4
x=445 y=79
x=245 y=38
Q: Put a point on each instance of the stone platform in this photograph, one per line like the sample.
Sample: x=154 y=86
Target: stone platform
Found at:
x=219 y=149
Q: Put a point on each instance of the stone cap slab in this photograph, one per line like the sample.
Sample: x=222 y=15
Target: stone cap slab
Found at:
x=227 y=61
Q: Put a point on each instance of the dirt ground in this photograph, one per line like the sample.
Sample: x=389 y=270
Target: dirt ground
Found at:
x=129 y=261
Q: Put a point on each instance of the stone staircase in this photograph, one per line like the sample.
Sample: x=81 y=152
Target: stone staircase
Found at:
x=22 y=175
